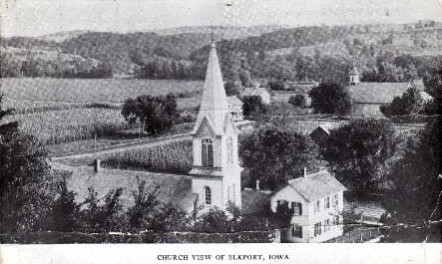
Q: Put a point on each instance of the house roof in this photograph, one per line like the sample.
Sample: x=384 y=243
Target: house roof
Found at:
x=255 y=91
x=173 y=188
x=214 y=105
x=234 y=101
x=376 y=93
x=317 y=185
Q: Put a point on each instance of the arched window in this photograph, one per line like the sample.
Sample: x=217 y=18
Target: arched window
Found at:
x=208 y=195
x=230 y=150
x=207 y=152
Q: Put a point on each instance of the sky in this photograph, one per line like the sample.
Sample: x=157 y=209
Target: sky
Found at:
x=40 y=17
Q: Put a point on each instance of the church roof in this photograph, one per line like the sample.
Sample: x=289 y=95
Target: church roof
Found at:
x=376 y=93
x=174 y=188
x=214 y=104
x=317 y=185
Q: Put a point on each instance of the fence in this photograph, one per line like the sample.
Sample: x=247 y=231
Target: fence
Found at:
x=50 y=237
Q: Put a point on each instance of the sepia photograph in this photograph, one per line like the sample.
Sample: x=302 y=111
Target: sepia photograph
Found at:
x=128 y=123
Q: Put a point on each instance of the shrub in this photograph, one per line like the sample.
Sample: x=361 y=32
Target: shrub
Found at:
x=297 y=100
x=253 y=106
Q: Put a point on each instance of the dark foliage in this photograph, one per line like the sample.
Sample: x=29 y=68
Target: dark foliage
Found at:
x=253 y=106
x=297 y=100
x=275 y=155
x=410 y=102
x=358 y=152
x=158 y=114
x=103 y=214
x=25 y=182
x=414 y=177
x=330 y=98
x=65 y=211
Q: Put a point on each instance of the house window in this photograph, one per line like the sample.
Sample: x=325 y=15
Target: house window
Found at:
x=318 y=227
x=207 y=152
x=297 y=231
x=327 y=203
x=208 y=195
x=230 y=150
x=296 y=208
x=336 y=200
x=327 y=225
x=282 y=206
x=317 y=204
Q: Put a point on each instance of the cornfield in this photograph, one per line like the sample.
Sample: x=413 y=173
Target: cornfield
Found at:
x=56 y=127
x=175 y=157
x=23 y=93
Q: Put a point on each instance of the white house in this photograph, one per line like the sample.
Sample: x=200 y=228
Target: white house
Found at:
x=235 y=107
x=316 y=204
x=258 y=91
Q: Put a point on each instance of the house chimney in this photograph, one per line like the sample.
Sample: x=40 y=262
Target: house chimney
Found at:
x=97 y=165
x=305 y=172
x=257 y=185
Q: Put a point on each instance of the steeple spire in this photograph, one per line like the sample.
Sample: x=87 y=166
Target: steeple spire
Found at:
x=214 y=106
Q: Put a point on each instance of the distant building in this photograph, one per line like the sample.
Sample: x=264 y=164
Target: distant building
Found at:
x=316 y=204
x=235 y=108
x=258 y=91
x=321 y=134
x=368 y=97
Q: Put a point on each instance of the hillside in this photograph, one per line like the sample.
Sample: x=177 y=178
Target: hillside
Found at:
x=178 y=53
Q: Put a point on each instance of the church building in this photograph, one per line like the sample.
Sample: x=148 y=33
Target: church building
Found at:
x=215 y=178
x=216 y=174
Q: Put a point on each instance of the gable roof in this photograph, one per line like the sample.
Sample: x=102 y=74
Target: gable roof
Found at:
x=316 y=186
x=214 y=105
x=174 y=188
x=255 y=91
x=376 y=93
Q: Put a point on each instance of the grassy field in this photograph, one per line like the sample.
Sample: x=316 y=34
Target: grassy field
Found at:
x=22 y=93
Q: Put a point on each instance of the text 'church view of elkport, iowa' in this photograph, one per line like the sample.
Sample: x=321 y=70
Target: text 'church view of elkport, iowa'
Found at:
x=221 y=122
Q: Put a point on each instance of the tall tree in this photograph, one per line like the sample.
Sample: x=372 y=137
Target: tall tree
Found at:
x=330 y=98
x=25 y=182
x=158 y=114
x=357 y=153
x=275 y=155
x=414 y=178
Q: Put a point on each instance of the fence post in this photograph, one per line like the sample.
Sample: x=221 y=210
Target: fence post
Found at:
x=369 y=233
x=361 y=237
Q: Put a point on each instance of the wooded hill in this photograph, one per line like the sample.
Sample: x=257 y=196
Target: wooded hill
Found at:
x=264 y=52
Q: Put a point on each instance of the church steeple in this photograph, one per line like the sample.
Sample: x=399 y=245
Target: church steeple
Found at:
x=214 y=105
x=216 y=174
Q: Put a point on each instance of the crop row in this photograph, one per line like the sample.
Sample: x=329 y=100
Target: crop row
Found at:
x=175 y=157
x=55 y=127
